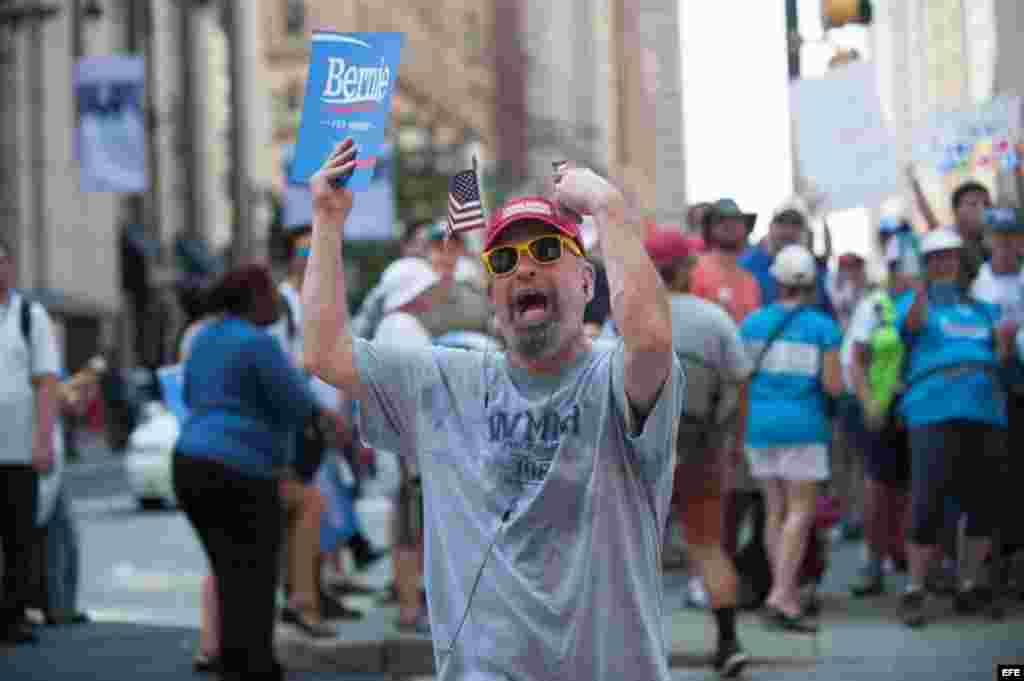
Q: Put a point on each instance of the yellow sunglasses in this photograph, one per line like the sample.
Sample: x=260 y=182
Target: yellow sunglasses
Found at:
x=544 y=250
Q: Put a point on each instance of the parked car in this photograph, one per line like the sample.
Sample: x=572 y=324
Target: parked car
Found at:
x=147 y=460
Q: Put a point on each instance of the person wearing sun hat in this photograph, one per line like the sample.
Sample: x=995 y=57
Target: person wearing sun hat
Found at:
x=547 y=468
x=717 y=276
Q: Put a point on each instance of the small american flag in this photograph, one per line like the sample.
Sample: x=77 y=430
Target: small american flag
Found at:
x=465 y=210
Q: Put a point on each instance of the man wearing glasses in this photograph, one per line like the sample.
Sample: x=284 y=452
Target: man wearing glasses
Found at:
x=547 y=470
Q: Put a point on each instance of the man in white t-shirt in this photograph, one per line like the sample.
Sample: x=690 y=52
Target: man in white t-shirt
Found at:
x=999 y=280
x=305 y=498
x=408 y=286
x=29 y=365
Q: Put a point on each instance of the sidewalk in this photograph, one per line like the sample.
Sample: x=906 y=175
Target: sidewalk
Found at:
x=853 y=632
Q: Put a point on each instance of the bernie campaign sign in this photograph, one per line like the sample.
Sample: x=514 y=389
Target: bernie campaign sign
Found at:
x=352 y=77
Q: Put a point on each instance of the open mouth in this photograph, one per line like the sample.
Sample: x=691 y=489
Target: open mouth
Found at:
x=531 y=305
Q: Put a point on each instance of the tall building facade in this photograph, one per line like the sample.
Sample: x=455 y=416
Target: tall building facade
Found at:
x=65 y=241
x=597 y=81
x=69 y=244
x=943 y=55
x=446 y=83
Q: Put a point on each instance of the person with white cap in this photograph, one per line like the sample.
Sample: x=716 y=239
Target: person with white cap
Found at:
x=407 y=286
x=954 y=407
x=547 y=468
x=796 y=346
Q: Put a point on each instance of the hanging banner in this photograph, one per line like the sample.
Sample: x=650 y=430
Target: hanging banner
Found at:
x=843 y=145
x=373 y=212
x=979 y=140
x=352 y=77
x=111 y=133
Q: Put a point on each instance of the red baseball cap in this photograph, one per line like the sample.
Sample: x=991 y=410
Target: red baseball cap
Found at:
x=532 y=208
x=667 y=245
x=850 y=260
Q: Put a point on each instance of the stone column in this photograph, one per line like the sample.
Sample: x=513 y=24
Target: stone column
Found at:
x=250 y=127
x=658 y=21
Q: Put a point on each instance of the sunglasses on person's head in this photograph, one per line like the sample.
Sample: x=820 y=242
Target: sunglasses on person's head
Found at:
x=503 y=260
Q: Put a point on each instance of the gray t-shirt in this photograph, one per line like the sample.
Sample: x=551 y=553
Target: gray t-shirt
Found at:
x=573 y=587
x=708 y=343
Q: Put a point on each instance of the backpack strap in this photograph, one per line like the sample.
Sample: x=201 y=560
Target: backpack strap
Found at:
x=774 y=336
x=26 y=320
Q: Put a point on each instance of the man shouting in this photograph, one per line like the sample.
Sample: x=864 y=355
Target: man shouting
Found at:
x=547 y=469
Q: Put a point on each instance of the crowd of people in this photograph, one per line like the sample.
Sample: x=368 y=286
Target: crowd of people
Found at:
x=556 y=413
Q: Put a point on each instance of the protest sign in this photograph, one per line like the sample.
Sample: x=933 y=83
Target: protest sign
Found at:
x=843 y=144
x=352 y=77
x=981 y=139
x=373 y=215
x=111 y=134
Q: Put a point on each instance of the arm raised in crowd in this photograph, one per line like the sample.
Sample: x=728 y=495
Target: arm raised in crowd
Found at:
x=328 y=351
x=639 y=300
x=921 y=200
x=917 y=315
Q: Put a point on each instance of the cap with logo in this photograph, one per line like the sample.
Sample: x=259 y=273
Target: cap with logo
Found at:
x=535 y=208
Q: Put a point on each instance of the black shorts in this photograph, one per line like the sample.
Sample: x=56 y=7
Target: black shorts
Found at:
x=886 y=453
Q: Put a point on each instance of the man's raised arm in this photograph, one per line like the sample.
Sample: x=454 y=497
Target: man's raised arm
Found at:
x=328 y=350
x=639 y=300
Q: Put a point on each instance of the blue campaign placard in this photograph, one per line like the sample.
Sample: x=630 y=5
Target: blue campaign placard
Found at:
x=352 y=77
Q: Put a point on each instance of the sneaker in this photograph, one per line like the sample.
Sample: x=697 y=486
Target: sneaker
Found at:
x=730 y=659
x=774 y=618
x=696 y=596
x=334 y=609
x=912 y=606
x=17 y=634
x=867 y=583
x=311 y=629
x=942 y=583
x=972 y=600
x=203 y=663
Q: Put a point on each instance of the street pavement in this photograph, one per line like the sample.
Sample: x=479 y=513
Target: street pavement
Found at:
x=141 y=574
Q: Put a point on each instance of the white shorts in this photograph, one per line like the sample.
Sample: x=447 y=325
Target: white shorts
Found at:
x=798 y=463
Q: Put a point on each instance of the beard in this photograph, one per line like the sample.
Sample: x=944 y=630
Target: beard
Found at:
x=537 y=341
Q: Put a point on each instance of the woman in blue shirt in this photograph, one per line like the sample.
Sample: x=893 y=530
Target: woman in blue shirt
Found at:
x=796 y=369
x=954 y=407
x=245 y=402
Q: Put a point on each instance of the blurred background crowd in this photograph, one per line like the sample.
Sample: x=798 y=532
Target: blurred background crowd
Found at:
x=882 y=137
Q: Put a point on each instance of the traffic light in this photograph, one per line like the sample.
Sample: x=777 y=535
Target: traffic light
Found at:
x=837 y=13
